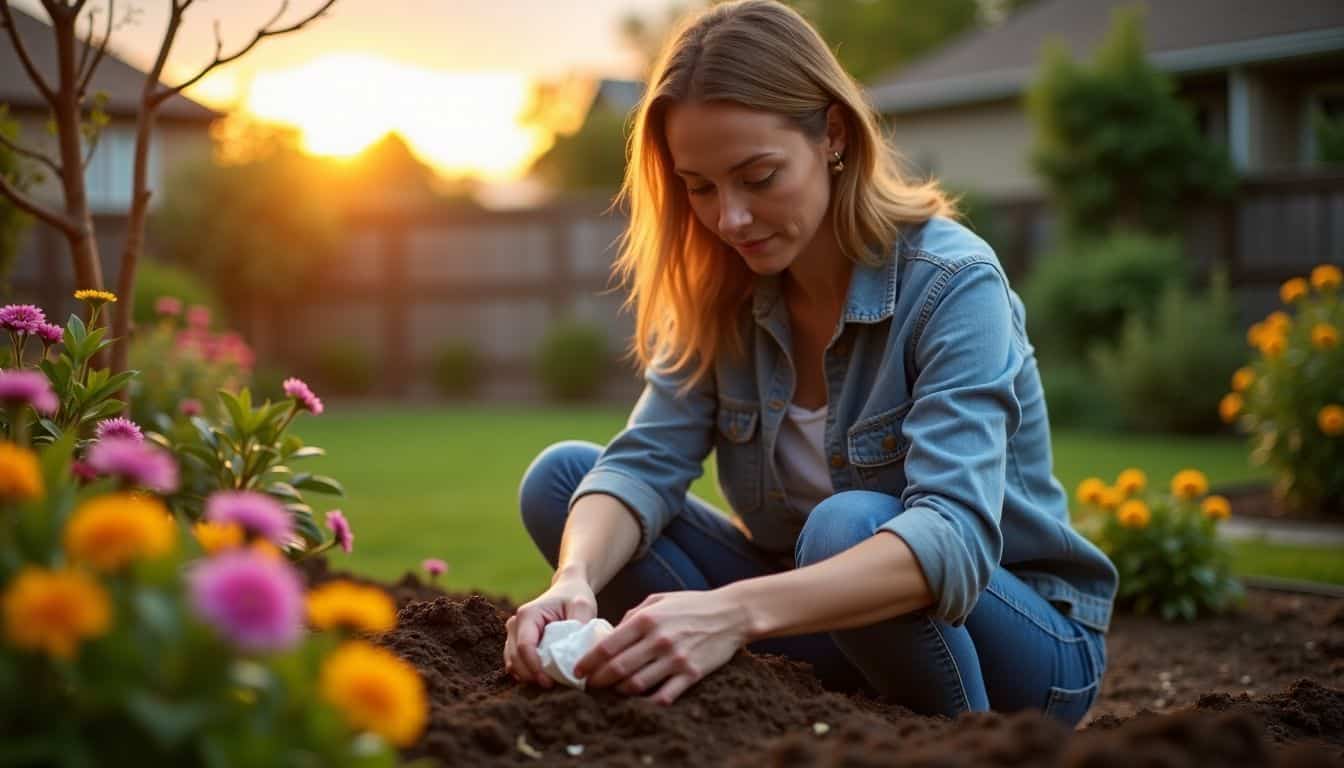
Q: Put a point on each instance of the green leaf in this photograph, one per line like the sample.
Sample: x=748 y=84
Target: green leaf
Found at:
x=306 y=452
x=320 y=484
x=237 y=413
x=284 y=491
x=304 y=524
x=170 y=722
x=113 y=384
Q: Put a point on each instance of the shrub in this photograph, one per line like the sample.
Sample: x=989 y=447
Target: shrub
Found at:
x=156 y=281
x=345 y=367
x=1083 y=291
x=1075 y=399
x=1160 y=368
x=182 y=365
x=457 y=369
x=572 y=360
x=1165 y=545
x=1290 y=399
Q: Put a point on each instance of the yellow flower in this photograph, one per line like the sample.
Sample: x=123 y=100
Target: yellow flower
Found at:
x=217 y=537
x=1111 y=498
x=1293 y=290
x=1091 y=490
x=1331 y=420
x=376 y=691
x=1216 y=508
x=1272 y=344
x=1131 y=481
x=1134 y=514
x=1324 y=335
x=1255 y=334
x=1326 y=277
x=110 y=531
x=96 y=298
x=1189 y=484
x=346 y=605
x=1279 y=321
x=53 y=611
x=1243 y=379
x=20 y=476
x=1230 y=407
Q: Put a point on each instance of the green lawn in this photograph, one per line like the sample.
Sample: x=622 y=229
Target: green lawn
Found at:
x=443 y=482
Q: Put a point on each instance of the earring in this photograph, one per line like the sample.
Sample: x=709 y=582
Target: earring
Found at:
x=837 y=165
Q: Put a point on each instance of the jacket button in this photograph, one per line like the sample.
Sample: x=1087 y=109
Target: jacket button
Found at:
x=837 y=460
x=889 y=443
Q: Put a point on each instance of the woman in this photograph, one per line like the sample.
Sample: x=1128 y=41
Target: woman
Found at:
x=859 y=365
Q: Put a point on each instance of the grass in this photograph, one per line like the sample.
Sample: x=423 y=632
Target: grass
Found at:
x=443 y=482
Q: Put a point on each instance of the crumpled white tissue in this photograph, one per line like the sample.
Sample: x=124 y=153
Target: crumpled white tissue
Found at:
x=563 y=643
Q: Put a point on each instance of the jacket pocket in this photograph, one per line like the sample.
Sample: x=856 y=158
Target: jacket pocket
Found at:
x=877 y=449
x=738 y=453
x=1069 y=705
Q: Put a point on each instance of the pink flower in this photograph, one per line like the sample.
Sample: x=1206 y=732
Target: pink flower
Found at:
x=252 y=599
x=135 y=462
x=168 y=306
x=256 y=513
x=434 y=567
x=22 y=318
x=28 y=388
x=190 y=406
x=198 y=317
x=298 y=390
x=81 y=471
x=340 y=528
x=50 y=333
x=119 y=428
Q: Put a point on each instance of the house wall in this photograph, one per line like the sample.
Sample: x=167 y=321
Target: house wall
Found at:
x=984 y=147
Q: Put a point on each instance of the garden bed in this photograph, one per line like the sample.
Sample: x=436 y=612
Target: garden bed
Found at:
x=1260 y=687
x=1257 y=501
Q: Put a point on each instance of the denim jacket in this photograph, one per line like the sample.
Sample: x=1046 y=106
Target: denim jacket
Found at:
x=934 y=397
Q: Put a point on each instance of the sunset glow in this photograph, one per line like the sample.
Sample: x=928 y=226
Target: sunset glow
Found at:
x=457 y=122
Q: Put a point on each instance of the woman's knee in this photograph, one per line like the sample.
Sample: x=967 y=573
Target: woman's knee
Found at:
x=841 y=521
x=547 y=484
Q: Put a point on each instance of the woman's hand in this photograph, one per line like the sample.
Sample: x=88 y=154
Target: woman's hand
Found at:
x=667 y=643
x=568 y=598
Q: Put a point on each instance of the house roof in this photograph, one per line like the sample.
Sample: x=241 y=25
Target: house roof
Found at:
x=121 y=81
x=1182 y=36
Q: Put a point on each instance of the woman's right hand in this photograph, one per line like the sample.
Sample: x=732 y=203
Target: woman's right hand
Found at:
x=568 y=598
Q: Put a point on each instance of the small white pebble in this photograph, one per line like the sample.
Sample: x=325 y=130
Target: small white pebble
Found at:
x=821 y=729
x=574 y=750
x=1310 y=645
x=1245 y=679
x=1166 y=685
x=646 y=759
x=1164 y=676
x=1159 y=703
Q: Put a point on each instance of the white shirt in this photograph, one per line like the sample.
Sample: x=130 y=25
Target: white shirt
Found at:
x=801 y=453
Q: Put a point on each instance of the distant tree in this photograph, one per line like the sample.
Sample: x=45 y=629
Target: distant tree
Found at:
x=589 y=160
x=1115 y=146
x=77 y=118
x=1329 y=132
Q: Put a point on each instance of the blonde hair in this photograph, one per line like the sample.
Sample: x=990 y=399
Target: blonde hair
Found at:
x=687 y=287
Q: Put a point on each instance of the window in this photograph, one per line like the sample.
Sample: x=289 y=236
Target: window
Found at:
x=111 y=171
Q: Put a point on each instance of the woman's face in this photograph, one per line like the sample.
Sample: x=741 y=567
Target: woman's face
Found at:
x=752 y=178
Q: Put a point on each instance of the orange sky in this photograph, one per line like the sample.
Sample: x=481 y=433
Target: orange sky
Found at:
x=452 y=76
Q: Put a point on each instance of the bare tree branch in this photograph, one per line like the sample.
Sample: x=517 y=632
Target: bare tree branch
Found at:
x=93 y=147
x=30 y=153
x=28 y=205
x=269 y=30
x=22 y=52
x=88 y=42
x=87 y=76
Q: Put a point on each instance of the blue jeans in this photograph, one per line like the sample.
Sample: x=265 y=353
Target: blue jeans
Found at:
x=1015 y=651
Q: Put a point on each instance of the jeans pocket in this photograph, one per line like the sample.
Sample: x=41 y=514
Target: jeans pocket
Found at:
x=1069 y=705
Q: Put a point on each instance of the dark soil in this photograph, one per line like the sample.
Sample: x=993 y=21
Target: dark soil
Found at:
x=1262 y=687
x=1257 y=500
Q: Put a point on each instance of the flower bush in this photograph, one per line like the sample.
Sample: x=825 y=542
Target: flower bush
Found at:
x=1290 y=398
x=124 y=632
x=182 y=363
x=1164 y=544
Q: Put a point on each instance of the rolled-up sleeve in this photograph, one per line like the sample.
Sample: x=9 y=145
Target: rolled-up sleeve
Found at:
x=963 y=413
x=651 y=463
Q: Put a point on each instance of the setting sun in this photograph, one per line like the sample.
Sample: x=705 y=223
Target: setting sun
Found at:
x=458 y=122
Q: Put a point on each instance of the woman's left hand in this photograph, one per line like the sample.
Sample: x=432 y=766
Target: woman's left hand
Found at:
x=666 y=644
